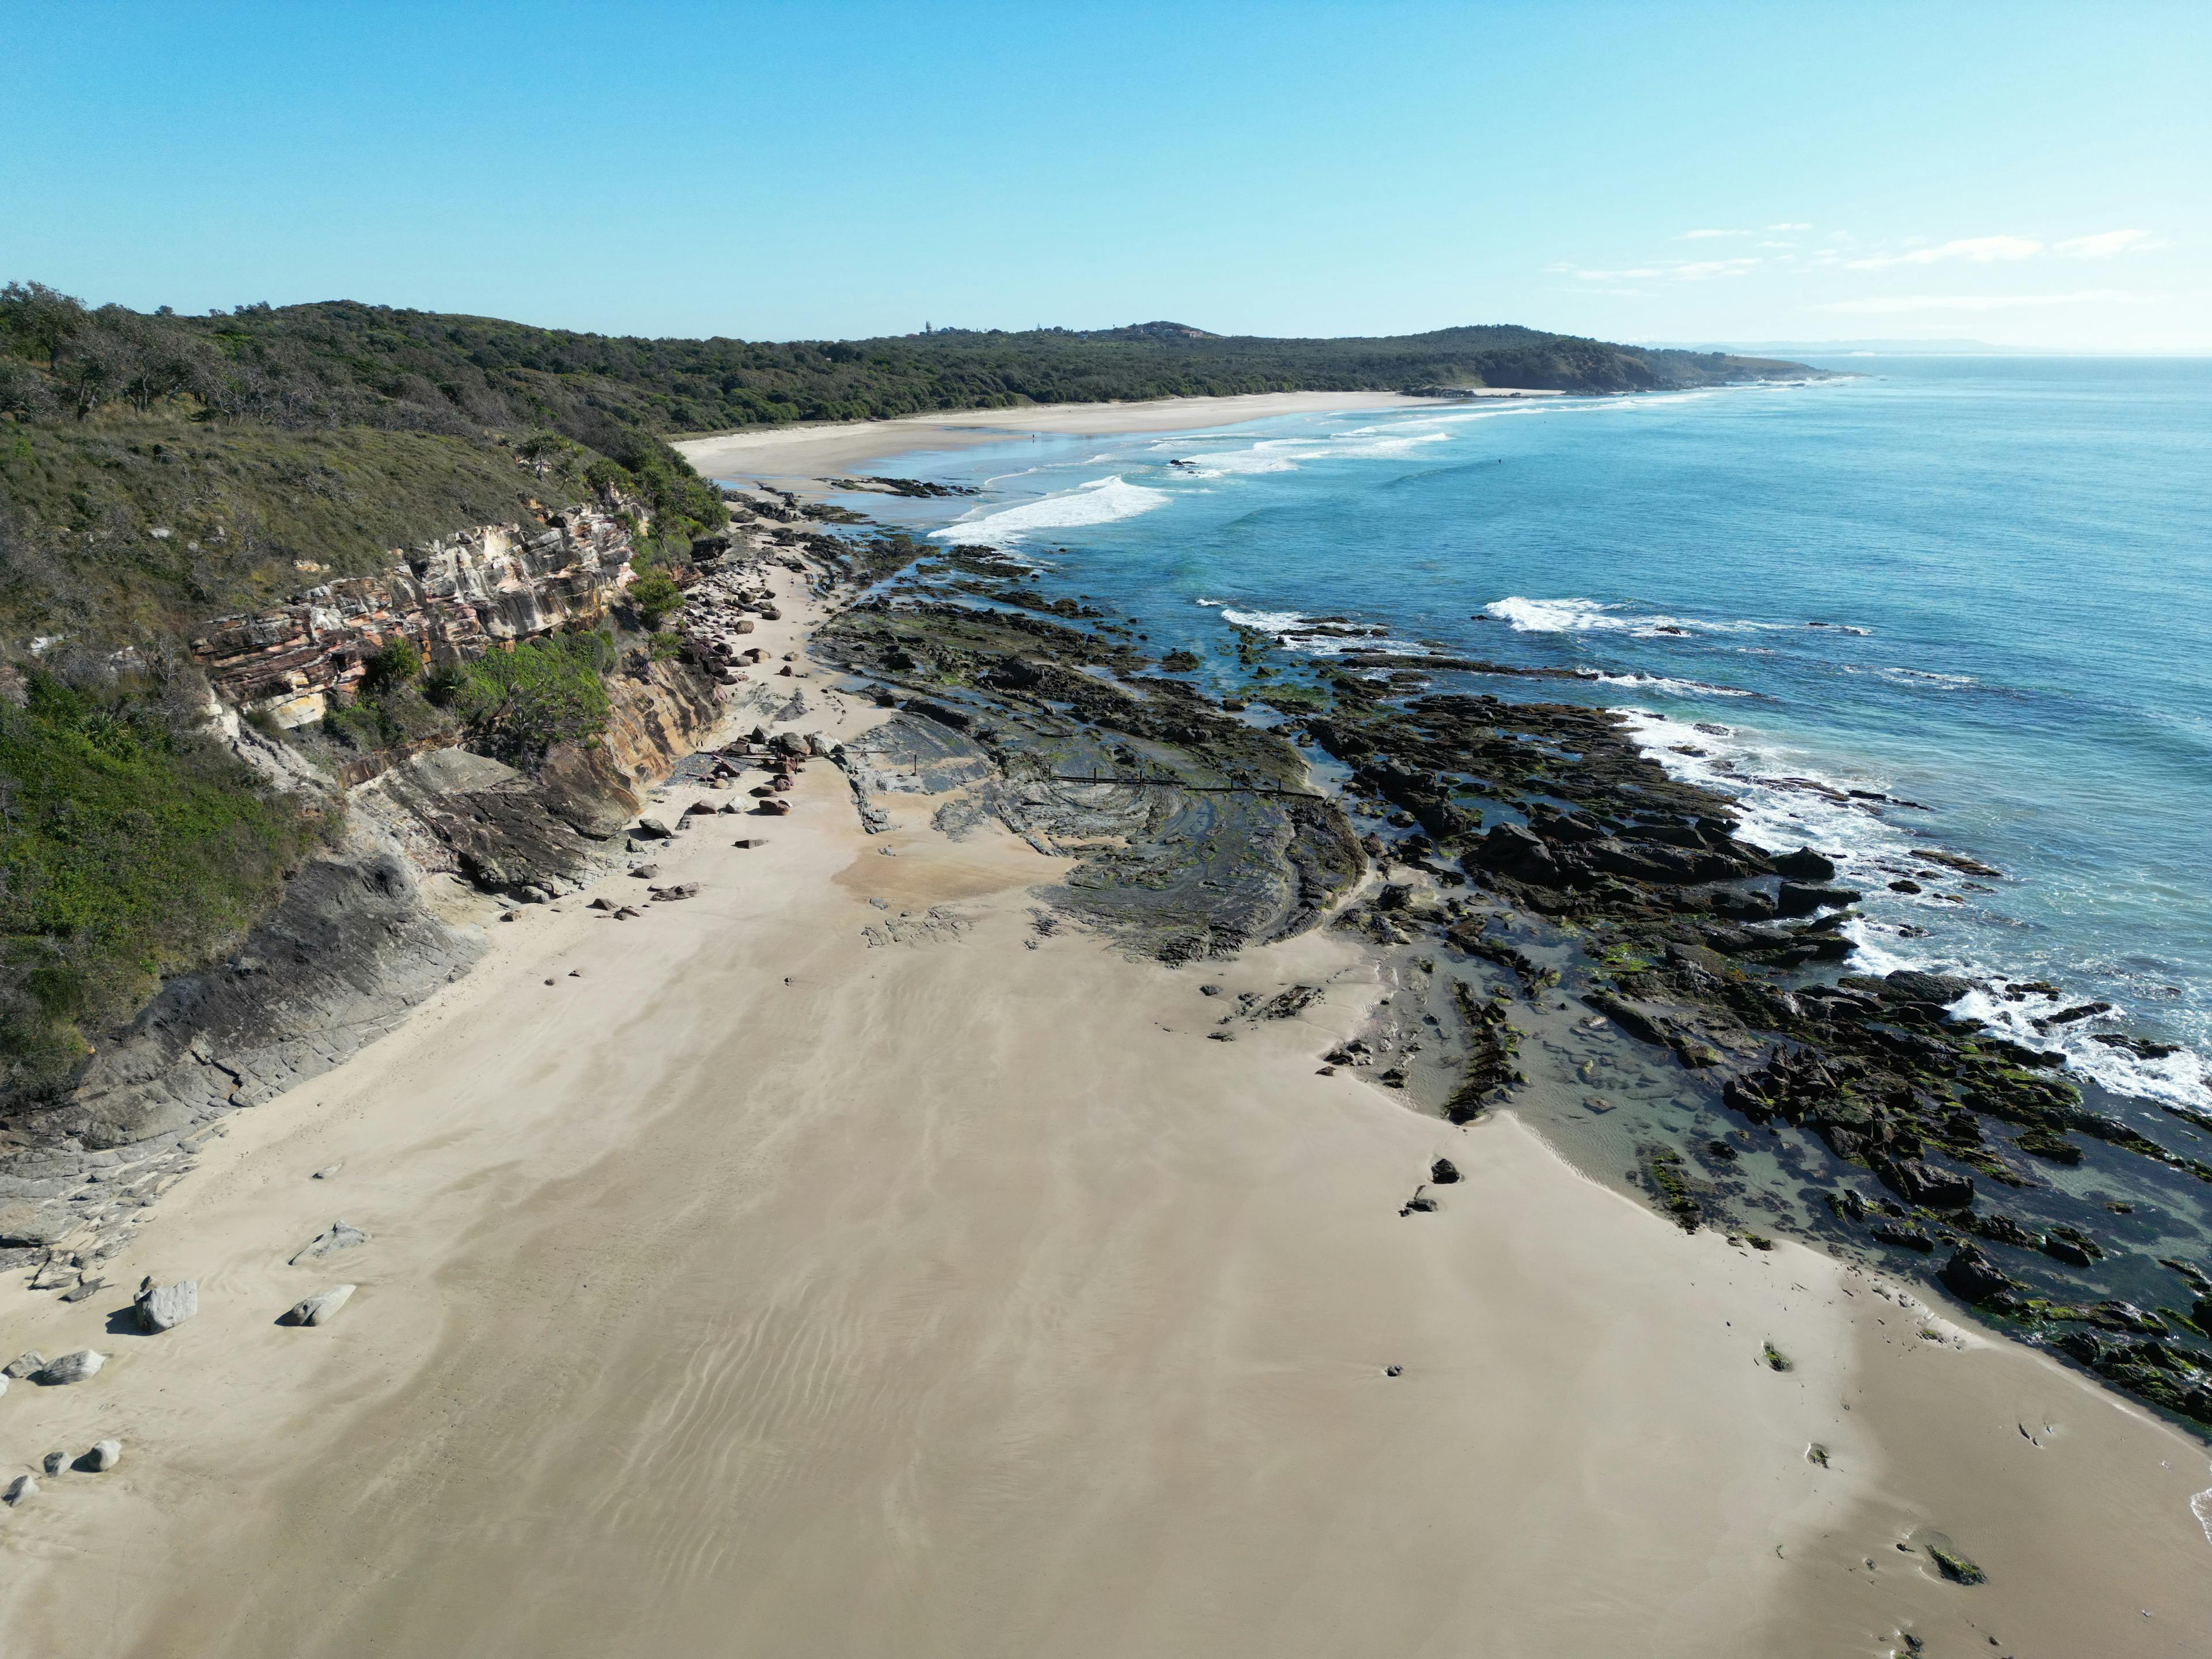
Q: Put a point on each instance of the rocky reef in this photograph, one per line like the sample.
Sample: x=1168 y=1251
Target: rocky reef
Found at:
x=1730 y=965
x=1196 y=833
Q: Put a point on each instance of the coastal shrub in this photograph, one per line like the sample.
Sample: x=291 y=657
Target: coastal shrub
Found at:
x=655 y=598
x=130 y=847
x=394 y=665
x=518 y=704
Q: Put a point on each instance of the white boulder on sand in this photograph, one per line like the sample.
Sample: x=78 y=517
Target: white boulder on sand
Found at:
x=164 y=1306
x=22 y=1489
x=103 y=1455
x=73 y=1367
x=320 y=1309
x=340 y=1235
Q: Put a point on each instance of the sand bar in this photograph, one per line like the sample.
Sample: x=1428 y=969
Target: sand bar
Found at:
x=815 y=1274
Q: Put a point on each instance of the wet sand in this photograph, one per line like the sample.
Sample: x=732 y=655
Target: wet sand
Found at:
x=767 y=1289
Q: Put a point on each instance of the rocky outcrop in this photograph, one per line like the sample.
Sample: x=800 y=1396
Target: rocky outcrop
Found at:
x=165 y=1307
x=351 y=948
x=320 y=1309
x=73 y=1367
x=453 y=599
x=338 y=1236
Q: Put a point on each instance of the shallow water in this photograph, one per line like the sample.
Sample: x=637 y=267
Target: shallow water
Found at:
x=1977 y=585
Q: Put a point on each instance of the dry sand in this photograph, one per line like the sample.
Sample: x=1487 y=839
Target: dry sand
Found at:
x=792 y=456
x=768 y=1290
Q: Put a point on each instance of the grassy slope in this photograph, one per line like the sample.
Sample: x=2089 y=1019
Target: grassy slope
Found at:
x=243 y=504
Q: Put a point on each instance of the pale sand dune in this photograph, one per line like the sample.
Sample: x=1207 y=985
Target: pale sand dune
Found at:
x=960 y=1298
x=801 y=454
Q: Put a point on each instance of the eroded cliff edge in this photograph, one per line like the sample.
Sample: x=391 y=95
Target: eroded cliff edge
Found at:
x=369 y=926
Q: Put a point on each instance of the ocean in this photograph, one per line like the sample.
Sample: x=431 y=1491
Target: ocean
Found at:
x=1982 y=587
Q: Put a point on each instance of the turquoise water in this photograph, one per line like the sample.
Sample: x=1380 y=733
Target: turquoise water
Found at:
x=1980 y=585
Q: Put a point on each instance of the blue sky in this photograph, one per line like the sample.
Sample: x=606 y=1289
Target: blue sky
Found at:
x=2023 y=174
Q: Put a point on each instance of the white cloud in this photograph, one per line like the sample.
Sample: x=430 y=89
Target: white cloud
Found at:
x=1901 y=304
x=2106 y=244
x=1980 y=250
x=1698 y=270
x=1790 y=225
x=1704 y=235
x=1777 y=244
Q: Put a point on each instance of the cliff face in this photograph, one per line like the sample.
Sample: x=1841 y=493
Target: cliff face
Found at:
x=454 y=598
x=356 y=943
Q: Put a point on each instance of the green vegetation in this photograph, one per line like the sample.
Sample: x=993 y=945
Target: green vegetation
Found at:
x=655 y=597
x=130 y=847
x=344 y=363
x=1956 y=1567
x=1774 y=1359
x=517 y=704
x=129 y=527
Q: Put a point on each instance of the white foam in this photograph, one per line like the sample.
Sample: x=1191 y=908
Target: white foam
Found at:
x=1280 y=623
x=1574 y=616
x=1102 y=501
x=1672 y=687
x=1266 y=622
x=1778 y=812
x=2201 y=1507
x=1288 y=454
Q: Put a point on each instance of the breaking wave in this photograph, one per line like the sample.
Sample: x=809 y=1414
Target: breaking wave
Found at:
x=1103 y=500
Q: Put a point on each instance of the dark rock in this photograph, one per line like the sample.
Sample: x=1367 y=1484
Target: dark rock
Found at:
x=1800 y=899
x=1444 y=1172
x=1971 y=1276
x=1513 y=851
x=2072 y=1246
x=1921 y=1183
x=1910 y=984
x=1804 y=864
x=1909 y=1238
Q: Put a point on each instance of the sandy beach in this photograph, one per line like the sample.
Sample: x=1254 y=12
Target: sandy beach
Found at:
x=837 y=1264
x=792 y=456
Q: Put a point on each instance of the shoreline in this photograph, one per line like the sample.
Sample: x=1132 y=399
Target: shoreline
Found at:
x=786 y=454
x=778 y=1279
